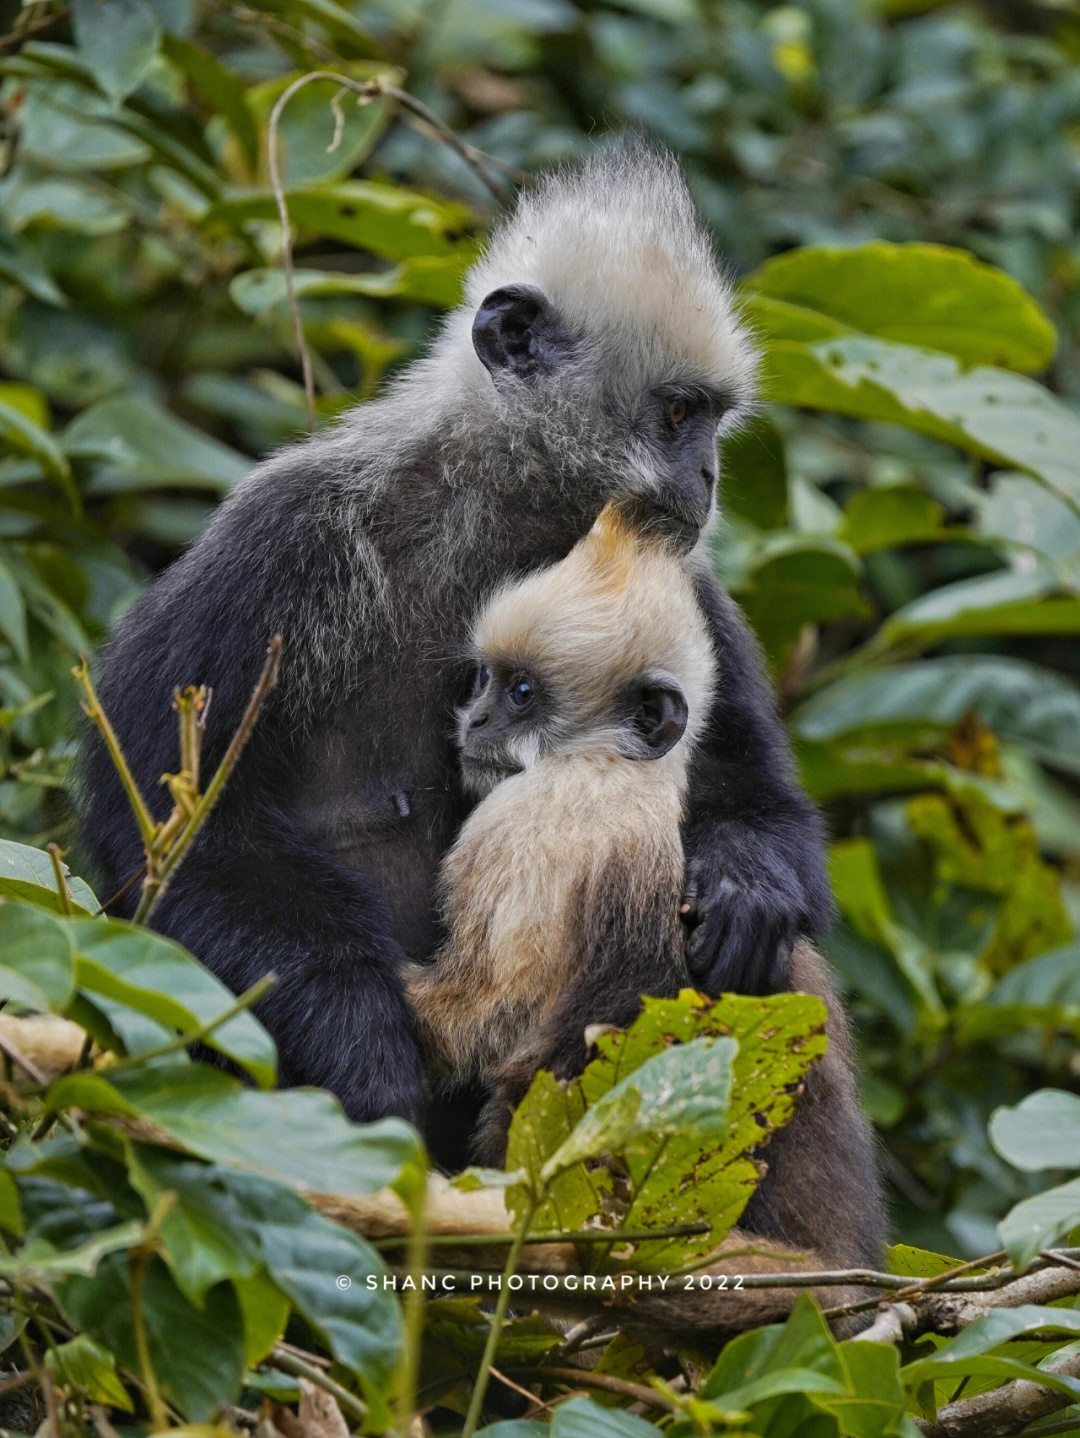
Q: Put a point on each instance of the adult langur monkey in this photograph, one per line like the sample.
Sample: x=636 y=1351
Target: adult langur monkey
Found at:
x=595 y=356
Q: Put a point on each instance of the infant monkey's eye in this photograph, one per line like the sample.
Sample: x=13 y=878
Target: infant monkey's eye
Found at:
x=483 y=678
x=676 y=412
x=520 y=694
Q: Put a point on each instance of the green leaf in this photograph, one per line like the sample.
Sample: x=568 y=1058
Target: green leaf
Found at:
x=197 y=1353
x=215 y=84
x=753 y=474
x=118 y=40
x=862 y=898
x=799 y=1355
x=384 y=219
x=435 y=279
x=887 y=518
x=1043 y=1131
x=18 y=268
x=266 y=1311
x=917 y=294
x=85 y=1365
x=921 y=703
x=211 y=1114
x=138 y=445
x=27 y=873
x=39 y=1260
x=1010 y=602
x=991 y=1331
x=1043 y=992
x=37 y=972
x=227 y=1224
x=13 y=615
x=334 y=1279
x=1037 y=1223
x=582 y=1418
x=684 y=1090
x=156 y=977
x=683 y=1176
x=21 y=434
x=1003 y=417
x=322 y=138
x=11 y=1220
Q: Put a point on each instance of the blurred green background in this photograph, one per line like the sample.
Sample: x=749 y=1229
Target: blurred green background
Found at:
x=902 y=521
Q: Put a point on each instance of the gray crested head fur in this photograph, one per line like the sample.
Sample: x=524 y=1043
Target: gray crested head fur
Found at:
x=617 y=248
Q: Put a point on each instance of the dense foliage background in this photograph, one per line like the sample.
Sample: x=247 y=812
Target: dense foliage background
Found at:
x=902 y=523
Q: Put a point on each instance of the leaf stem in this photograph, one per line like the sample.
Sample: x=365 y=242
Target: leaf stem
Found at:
x=92 y=708
x=182 y=1041
x=476 y=1403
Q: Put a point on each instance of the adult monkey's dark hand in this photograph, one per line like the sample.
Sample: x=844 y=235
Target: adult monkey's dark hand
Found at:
x=755 y=860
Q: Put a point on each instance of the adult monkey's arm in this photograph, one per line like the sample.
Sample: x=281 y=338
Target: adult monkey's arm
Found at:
x=754 y=843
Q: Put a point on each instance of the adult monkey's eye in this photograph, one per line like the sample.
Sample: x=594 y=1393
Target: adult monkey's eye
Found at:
x=677 y=411
x=520 y=694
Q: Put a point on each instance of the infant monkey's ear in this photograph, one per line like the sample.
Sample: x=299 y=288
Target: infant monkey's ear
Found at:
x=657 y=715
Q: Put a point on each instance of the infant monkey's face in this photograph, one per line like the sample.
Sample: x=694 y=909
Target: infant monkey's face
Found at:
x=502 y=727
x=517 y=715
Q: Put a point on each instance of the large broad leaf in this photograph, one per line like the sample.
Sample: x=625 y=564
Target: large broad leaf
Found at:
x=27 y=873
x=1020 y=703
x=156 y=977
x=227 y=1224
x=582 y=1418
x=321 y=138
x=1037 y=1223
x=917 y=294
x=1044 y=992
x=118 y=40
x=213 y=1115
x=384 y=219
x=676 y=1177
x=965 y=1353
x=436 y=279
x=36 y=960
x=1010 y=602
x=197 y=1354
x=1041 y=1132
x=682 y=1090
x=138 y=445
x=864 y=901
x=1003 y=417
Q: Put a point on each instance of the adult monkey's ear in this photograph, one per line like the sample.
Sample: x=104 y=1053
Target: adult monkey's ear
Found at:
x=516 y=331
x=659 y=716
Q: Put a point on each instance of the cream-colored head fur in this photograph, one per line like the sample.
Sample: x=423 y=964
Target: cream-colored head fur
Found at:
x=618 y=248
x=619 y=607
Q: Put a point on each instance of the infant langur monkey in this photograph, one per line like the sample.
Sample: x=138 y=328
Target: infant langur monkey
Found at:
x=561 y=894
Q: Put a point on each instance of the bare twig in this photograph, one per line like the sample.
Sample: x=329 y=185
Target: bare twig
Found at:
x=154 y=885
x=92 y=708
x=287 y=1358
x=10 y=1051
x=365 y=91
x=586 y=1378
x=20 y=36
